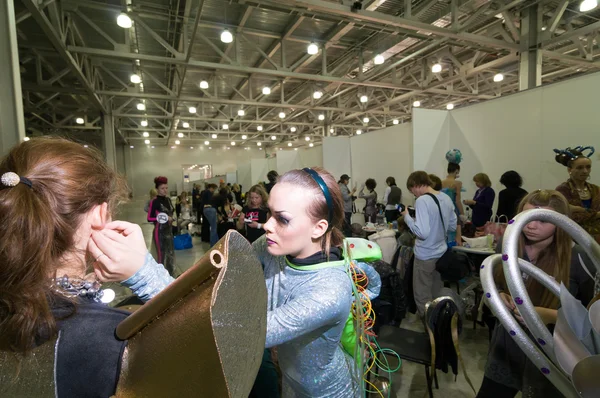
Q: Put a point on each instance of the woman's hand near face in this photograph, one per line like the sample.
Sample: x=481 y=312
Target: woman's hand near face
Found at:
x=119 y=250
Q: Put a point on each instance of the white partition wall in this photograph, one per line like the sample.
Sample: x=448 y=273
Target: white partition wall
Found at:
x=431 y=140
x=381 y=154
x=258 y=170
x=287 y=160
x=311 y=157
x=244 y=176
x=336 y=155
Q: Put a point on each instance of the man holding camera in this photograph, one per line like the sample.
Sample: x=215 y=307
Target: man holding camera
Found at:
x=435 y=216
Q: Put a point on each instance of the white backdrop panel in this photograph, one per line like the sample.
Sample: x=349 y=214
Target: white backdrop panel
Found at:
x=431 y=140
x=259 y=169
x=336 y=156
x=287 y=160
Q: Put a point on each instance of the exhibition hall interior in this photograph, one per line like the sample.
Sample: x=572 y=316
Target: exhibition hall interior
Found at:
x=300 y=198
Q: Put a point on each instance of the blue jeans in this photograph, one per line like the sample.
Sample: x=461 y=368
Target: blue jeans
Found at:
x=211 y=216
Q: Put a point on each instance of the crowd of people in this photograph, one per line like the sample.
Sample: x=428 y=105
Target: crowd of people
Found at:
x=55 y=233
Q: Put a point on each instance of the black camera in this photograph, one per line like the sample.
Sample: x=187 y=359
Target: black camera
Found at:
x=411 y=210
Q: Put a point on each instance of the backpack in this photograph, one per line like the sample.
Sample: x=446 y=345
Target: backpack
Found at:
x=392 y=292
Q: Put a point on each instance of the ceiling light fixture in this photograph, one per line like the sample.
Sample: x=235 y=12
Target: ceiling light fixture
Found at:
x=321 y=117
x=225 y=126
x=144 y=123
x=358 y=132
x=312 y=49
x=79 y=120
x=364 y=98
x=232 y=143
x=317 y=94
x=259 y=143
x=273 y=137
x=416 y=104
x=282 y=115
x=180 y=135
x=27 y=139
x=241 y=112
x=192 y=109
x=498 y=77
x=131 y=146
x=307 y=138
x=191 y=147
x=311 y=145
x=226 y=36
x=177 y=142
x=259 y=128
x=244 y=137
x=588 y=5
x=124 y=21
x=450 y=107
x=186 y=125
x=366 y=120
x=146 y=142
x=395 y=121
x=152 y=147
x=204 y=84
x=293 y=129
x=173 y=147
x=141 y=106
x=378 y=60
x=145 y=134
x=206 y=142
x=289 y=144
x=436 y=68
x=332 y=130
x=135 y=79
x=214 y=136
x=266 y=90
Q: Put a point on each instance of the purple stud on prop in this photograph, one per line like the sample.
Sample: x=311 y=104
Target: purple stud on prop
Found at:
x=518 y=300
x=505 y=257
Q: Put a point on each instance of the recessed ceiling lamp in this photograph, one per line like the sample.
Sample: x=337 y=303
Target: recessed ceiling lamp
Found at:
x=191 y=147
x=124 y=21
x=282 y=115
x=131 y=146
x=395 y=121
x=436 y=68
x=450 y=107
x=204 y=84
x=364 y=98
x=232 y=143
x=307 y=138
x=259 y=143
x=192 y=109
x=186 y=125
x=416 y=104
x=366 y=120
x=332 y=130
x=214 y=136
x=86 y=146
x=317 y=94
x=146 y=142
x=293 y=129
x=177 y=142
x=321 y=117
x=498 y=77
x=27 y=139
x=226 y=36
x=173 y=147
x=295 y=149
x=206 y=142
x=311 y=145
x=266 y=90
x=244 y=137
x=225 y=126
x=135 y=79
x=259 y=127
x=358 y=132
x=289 y=144
x=312 y=49
x=79 y=120
x=241 y=112
x=152 y=147
x=588 y=5
x=180 y=135
x=378 y=60
x=273 y=137
x=145 y=134
x=144 y=123
x=141 y=106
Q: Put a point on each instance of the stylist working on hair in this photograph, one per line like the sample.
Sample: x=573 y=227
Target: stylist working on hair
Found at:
x=583 y=197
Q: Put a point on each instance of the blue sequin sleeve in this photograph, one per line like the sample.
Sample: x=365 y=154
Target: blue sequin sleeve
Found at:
x=150 y=280
x=374 y=285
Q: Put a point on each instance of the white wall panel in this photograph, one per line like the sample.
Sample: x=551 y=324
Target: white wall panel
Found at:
x=287 y=160
x=431 y=140
x=336 y=156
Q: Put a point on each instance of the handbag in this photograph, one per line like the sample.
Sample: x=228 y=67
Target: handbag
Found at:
x=450 y=266
x=182 y=242
x=496 y=227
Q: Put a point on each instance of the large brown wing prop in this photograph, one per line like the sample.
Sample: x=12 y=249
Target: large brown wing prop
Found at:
x=204 y=335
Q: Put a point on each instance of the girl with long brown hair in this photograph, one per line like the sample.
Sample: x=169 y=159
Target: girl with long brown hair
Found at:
x=551 y=249
x=255 y=214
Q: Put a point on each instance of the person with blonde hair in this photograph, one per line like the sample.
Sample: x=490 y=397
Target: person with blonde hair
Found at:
x=550 y=248
x=152 y=195
x=483 y=200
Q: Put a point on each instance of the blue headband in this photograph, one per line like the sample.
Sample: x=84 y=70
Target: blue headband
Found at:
x=325 y=190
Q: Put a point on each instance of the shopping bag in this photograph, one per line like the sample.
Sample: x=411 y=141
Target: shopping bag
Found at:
x=495 y=227
x=183 y=241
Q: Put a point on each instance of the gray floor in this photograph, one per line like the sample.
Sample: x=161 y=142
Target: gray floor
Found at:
x=409 y=381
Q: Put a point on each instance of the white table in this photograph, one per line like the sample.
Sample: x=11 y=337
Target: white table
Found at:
x=474 y=250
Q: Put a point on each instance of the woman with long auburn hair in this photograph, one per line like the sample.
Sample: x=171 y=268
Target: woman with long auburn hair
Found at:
x=550 y=248
x=310 y=290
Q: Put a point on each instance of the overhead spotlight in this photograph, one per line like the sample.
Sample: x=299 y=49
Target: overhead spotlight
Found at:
x=186 y=125
x=259 y=143
x=273 y=137
x=86 y=146
x=214 y=136
x=177 y=142
x=295 y=149
x=378 y=60
x=450 y=107
x=144 y=123
x=27 y=139
x=282 y=115
x=241 y=112
x=281 y=149
x=131 y=146
x=204 y=84
x=436 y=68
x=544 y=28
x=366 y=120
x=311 y=145
x=124 y=21
x=259 y=127
x=312 y=49
x=364 y=98
x=293 y=129
x=79 y=120
x=395 y=121
x=173 y=147
x=145 y=134
x=358 y=132
x=152 y=147
x=332 y=130
x=180 y=135
x=289 y=144
x=416 y=104
x=135 y=79
x=318 y=94
x=225 y=126
x=498 y=77
x=192 y=109
x=244 y=137
x=209 y=147
x=307 y=138
x=321 y=117
x=226 y=36
x=146 y=142
x=191 y=147
x=141 y=106
x=266 y=90
x=206 y=142
x=232 y=143
x=588 y=5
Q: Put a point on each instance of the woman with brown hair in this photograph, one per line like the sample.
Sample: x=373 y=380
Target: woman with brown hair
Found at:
x=46 y=295
x=160 y=213
x=551 y=249
x=482 y=201
x=255 y=214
